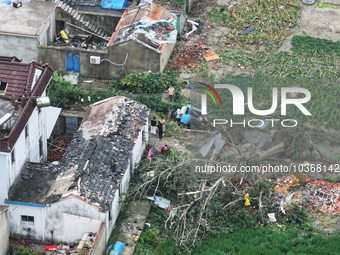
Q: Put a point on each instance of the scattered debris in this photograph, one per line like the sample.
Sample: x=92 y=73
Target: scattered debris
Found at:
x=210 y=55
x=246 y=197
x=57 y=148
x=160 y=201
x=271 y=217
x=194 y=27
x=188 y=56
x=247 y=30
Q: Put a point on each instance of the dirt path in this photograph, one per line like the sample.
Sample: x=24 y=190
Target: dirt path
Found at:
x=131 y=227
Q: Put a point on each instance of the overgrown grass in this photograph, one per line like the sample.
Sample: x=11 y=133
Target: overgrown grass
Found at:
x=271 y=19
x=268 y=241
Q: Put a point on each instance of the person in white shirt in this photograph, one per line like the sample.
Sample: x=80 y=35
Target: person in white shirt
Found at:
x=171 y=93
x=178 y=116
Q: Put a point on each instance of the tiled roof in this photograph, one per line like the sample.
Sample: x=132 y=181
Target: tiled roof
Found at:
x=10 y=59
x=95 y=161
x=19 y=77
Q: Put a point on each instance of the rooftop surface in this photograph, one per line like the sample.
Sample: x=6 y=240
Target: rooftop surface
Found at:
x=95 y=161
x=26 y=20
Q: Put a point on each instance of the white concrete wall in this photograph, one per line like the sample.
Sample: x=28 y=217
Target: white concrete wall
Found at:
x=115 y=208
x=25 y=149
x=4 y=176
x=139 y=147
x=17 y=226
x=4 y=237
x=76 y=226
x=57 y=222
x=50 y=28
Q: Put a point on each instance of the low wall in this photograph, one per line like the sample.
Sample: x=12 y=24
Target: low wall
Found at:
x=56 y=57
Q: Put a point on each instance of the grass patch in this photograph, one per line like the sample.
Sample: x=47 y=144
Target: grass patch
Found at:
x=271 y=19
x=314 y=46
x=268 y=241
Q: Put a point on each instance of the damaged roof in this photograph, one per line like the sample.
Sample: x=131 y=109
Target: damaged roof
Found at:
x=16 y=78
x=95 y=162
x=149 y=24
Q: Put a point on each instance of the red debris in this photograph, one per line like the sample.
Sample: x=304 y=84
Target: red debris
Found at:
x=57 y=148
x=188 y=56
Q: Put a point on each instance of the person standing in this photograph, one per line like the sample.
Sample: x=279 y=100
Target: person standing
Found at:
x=153 y=125
x=160 y=130
x=171 y=93
x=178 y=116
x=163 y=124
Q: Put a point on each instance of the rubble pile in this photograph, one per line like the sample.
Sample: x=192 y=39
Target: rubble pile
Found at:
x=57 y=148
x=322 y=196
x=80 y=41
x=158 y=32
x=315 y=195
x=188 y=56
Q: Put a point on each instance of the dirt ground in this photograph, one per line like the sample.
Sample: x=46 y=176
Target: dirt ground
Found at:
x=316 y=22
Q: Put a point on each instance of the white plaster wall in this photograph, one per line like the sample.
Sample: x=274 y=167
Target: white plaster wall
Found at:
x=16 y=226
x=20 y=158
x=56 y=222
x=4 y=237
x=139 y=147
x=51 y=25
x=76 y=226
x=4 y=176
x=115 y=208
x=37 y=127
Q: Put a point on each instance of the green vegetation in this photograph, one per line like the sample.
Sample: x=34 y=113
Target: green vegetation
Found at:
x=323 y=106
x=148 y=82
x=314 y=46
x=62 y=93
x=267 y=241
x=24 y=251
x=154 y=103
x=177 y=3
x=272 y=20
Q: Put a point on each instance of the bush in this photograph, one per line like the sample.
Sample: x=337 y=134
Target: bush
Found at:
x=62 y=93
x=155 y=103
x=147 y=82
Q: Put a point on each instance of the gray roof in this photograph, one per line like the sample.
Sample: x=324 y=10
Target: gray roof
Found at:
x=27 y=20
x=95 y=161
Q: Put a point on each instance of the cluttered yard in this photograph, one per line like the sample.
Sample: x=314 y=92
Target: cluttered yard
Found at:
x=264 y=43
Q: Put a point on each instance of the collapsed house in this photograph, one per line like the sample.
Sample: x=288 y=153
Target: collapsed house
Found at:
x=26 y=119
x=142 y=39
x=82 y=194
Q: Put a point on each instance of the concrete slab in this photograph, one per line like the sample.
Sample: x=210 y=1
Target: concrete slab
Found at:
x=131 y=227
x=26 y=20
x=72 y=77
